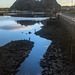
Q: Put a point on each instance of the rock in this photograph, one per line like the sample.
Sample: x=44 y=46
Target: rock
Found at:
x=46 y=68
x=53 y=63
x=12 y=55
x=29 y=32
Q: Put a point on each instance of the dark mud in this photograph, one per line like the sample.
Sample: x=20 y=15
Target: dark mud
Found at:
x=58 y=58
x=12 y=55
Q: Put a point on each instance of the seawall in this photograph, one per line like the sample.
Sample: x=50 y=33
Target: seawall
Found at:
x=70 y=26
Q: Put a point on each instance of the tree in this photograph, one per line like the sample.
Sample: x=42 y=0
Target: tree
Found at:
x=33 y=5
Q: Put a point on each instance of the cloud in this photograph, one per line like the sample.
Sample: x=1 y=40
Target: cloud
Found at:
x=15 y=27
x=64 y=2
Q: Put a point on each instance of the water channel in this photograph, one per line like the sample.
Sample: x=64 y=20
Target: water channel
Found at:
x=18 y=28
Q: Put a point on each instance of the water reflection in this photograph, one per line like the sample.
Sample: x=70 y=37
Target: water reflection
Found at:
x=13 y=28
x=25 y=22
x=9 y=18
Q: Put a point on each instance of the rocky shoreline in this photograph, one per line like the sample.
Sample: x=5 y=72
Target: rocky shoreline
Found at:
x=55 y=62
x=57 y=57
x=12 y=55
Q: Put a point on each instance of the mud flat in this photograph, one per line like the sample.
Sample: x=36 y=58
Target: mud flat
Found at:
x=58 y=57
x=12 y=55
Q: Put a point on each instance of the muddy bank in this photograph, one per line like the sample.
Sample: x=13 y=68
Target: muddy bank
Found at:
x=57 y=59
x=12 y=55
x=55 y=62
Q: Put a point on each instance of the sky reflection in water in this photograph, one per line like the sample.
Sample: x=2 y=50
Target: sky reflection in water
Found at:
x=10 y=30
x=15 y=27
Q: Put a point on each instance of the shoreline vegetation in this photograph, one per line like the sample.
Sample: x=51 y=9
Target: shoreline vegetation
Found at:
x=13 y=11
x=57 y=59
x=12 y=55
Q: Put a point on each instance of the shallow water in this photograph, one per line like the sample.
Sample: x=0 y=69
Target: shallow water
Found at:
x=18 y=28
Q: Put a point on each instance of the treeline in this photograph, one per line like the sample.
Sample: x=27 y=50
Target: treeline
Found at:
x=36 y=5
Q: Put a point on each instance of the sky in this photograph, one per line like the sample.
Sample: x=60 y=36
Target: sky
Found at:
x=8 y=3
x=66 y=2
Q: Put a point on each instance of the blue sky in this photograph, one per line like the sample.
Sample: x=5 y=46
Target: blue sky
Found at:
x=8 y=3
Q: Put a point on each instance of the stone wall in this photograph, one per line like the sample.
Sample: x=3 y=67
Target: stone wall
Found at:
x=70 y=26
